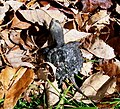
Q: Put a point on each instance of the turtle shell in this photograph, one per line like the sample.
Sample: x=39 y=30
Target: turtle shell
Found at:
x=67 y=59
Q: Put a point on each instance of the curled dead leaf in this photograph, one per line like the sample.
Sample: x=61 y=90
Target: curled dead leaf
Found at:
x=4 y=35
x=6 y=76
x=46 y=71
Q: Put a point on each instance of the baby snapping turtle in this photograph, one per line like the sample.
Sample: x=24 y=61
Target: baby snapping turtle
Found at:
x=66 y=57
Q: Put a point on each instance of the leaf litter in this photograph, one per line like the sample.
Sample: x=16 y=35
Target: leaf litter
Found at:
x=24 y=32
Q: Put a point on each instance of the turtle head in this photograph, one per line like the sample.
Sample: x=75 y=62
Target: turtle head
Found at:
x=56 y=32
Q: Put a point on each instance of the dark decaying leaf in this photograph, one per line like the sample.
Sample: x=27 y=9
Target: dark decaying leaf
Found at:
x=115 y=43
x=91 y=5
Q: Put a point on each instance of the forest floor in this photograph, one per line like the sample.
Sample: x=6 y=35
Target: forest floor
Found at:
x=28 y=81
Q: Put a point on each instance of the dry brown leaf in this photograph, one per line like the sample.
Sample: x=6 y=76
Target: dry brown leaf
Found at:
x=52 y=93
x=12 y=75
x=87 y=42
x=86 y=69
x=40 y=15
x=98 y=21
x=14 y=4
x=3 y=10
x=91 y=5
x=18 y=74
x=5 y=78
x=93 y=83
x=101 y=17
x=115 y=43
x=36 y=16
x=56 y=14
x=110 y=68
x=31 y=3
x=15 y=58
x=14 y=92
x=15 y=38
x=118 y=8
x=4 y=34
x=96 y=84
x=44 y=3
x=46 y=71
x=12 y=80
x=24 y=1
x=81 y=19
x=19 y=24
x=35 y=6
x=113 y=70
x=100 y=49
x=86 y=54
x=118 y=76
x=70 y=25
x=74 y=35
x=107 y=88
